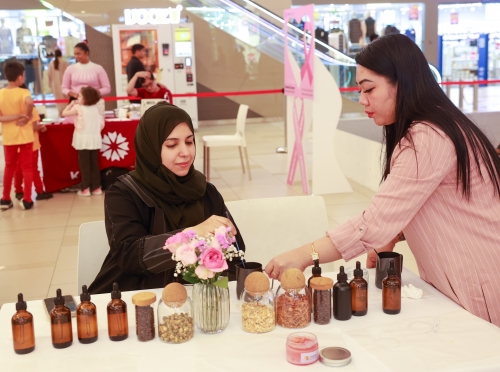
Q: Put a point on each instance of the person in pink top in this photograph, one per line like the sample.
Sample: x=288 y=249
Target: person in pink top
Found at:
x=441 y=184
x=84 y=73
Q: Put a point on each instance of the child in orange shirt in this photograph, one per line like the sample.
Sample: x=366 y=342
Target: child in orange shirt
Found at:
x=16 y=107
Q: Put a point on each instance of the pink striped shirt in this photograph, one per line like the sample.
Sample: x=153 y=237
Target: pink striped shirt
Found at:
x=456 y=243
x=88 y=74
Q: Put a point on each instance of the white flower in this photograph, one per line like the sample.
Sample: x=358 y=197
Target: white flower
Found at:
x=114 y=146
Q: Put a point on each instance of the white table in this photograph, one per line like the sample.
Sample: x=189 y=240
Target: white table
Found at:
x=430 y=334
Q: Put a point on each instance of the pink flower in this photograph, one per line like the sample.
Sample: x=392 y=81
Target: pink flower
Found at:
x=213 y=259
x=186 y=254
x=203 y=273
x=175 y=241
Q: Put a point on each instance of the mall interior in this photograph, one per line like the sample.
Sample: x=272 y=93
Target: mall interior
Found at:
x=224 y=62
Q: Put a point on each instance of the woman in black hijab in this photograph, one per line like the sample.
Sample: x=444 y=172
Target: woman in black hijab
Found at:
x=162 y=196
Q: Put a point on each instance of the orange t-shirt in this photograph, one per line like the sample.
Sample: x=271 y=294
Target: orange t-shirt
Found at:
x=12 y=102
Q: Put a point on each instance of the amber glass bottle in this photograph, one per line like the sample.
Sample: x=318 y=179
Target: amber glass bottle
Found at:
x=359 y=292
x=391 y=291
x=86 y=318
x=342 y=301
x=23 y=331
x=117 y=316
x=60 y=320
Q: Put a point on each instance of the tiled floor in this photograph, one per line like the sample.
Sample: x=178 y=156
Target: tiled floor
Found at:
x=38 y=248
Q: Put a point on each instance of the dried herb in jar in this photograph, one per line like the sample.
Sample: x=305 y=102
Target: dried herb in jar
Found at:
x=293 y=310
x=257 y=318
x=176 y=328
x=293 y=305
x=322 y=299
x=144 y=315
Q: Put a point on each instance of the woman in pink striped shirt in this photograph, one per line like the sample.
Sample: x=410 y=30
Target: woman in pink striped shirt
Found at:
x=441 y=184
x=84 y=73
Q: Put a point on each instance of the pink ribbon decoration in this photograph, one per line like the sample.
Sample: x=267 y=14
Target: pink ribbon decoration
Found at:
x=307 y=68
x=298 y=150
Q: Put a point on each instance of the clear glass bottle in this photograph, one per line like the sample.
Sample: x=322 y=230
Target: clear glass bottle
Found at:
x=359 y=292
x=175 y=315
x=391 y=291
x=293 y=300
x=23 y=330
x=257 y=304
x=211 y=307
x=322 y=299
x=117 y=316
x=144 y=315
x=86 y=319
x=60 y=320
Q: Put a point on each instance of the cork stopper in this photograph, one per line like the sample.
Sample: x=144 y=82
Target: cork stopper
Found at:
x=293 y=279
x=321 y=283
x=143 y=298
x=174 y=292
x=257 y=282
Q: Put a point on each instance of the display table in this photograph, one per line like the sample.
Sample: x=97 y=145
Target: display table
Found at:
x=60 y=159
x=430 y=334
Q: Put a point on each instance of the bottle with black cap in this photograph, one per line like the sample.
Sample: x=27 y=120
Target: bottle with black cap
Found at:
x=117 y=316
x=60 y=320
x=86 y=318
x=316 y=273
x=23 y=331
x=391 y=291
x=359 y=288
x=342 y=305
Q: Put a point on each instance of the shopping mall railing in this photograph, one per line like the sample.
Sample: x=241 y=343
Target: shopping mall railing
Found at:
x=462 y=85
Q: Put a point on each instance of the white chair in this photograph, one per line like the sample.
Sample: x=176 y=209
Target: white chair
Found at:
x=93 y=247
x=275 y=225
x=237 y=139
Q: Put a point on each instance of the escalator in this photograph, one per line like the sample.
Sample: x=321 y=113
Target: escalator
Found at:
x=242 y=47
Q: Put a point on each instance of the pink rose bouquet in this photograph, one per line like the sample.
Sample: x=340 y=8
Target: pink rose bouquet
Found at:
x=202 y=259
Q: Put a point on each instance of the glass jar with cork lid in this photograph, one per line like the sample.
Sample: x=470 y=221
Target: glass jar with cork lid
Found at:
x=293 y=300
x=144 y=315
x=321 y=288
x=257 y=304
x=175 y=315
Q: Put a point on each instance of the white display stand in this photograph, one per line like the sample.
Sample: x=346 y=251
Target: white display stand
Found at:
x=177 y=66
x=323 y=114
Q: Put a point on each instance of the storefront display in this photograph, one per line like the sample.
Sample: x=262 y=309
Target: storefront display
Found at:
x=349 y=27
x=469 y=41
x=32 y=36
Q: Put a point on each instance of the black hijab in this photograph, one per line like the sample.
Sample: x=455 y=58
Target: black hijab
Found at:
x=179 y=197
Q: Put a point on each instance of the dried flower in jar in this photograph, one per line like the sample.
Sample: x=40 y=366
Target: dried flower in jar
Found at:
x=176 y=328
x=293 y=310
x=257 y=318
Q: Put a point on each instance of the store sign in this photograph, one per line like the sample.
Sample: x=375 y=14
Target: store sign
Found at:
x=454 y=18
x=413 y=14
x=152 y=16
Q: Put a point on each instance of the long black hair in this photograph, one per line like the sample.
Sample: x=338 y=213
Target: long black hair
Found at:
x=57 y=54
x=420 y=98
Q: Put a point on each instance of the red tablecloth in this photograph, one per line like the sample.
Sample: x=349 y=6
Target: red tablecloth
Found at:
x=60 y=159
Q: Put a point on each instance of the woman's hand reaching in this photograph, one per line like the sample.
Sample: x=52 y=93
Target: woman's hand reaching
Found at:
x=210 y=224
x=371 y=258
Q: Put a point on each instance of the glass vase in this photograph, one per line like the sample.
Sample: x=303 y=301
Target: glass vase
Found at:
x=211 y=307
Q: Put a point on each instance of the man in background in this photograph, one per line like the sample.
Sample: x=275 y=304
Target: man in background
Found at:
x=135 y=65
x=150 y=87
